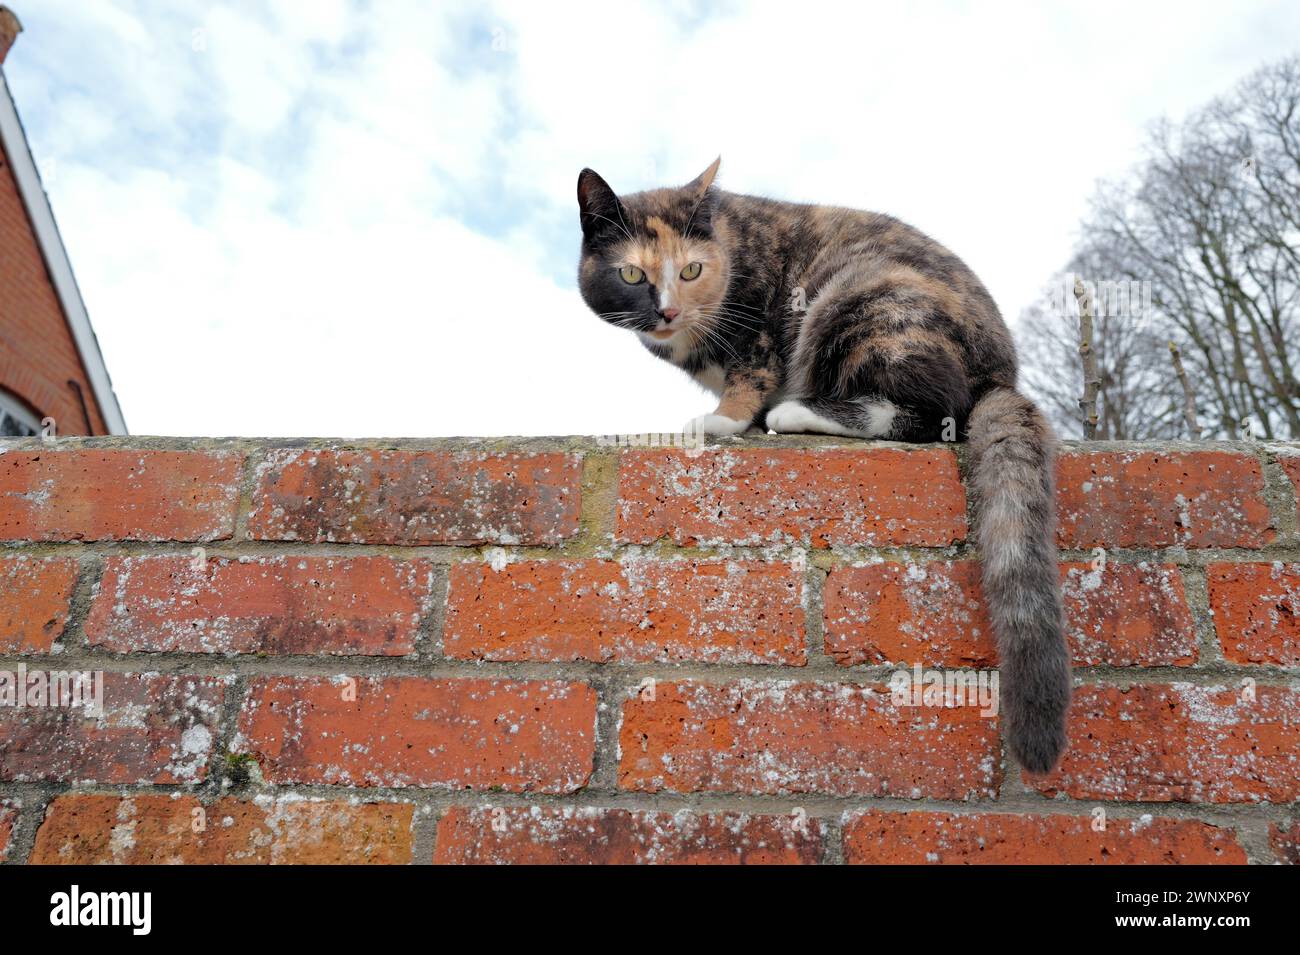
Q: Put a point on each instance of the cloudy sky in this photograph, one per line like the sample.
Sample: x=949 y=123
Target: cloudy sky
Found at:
x=345 y=218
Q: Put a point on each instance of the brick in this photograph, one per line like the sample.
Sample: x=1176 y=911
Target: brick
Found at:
x=35 y=600
x=274 y=605
x=1127 y=615
x=582 y=836
x=642 y=610
x=918 y=838
x=1180 y=743
x=161 y=830
x=416 y=497
x=514 y=735
x=1291 y=466
x=826 y=497
x=930 y=613
x=154 y=729
x=8 y=817
x=934 y=614
x=1284 y=840
x=1161 y=499
x=118 y=494
x=1257 y=611
x=783 y=737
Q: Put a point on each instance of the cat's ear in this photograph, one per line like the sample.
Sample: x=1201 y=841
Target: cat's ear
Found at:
x=599 y=209
x=700 y=184
x=700 y=221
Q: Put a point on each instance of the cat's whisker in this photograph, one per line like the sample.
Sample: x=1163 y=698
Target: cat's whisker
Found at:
x=701 y=336
x=728 y=320
x=733 y=324
x=714 y=337
x=621 y=224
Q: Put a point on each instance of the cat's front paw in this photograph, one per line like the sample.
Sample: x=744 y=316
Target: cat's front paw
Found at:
x=715 y=424
x=792 y=417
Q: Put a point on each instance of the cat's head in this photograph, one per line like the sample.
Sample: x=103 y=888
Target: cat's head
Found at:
x=651 y=261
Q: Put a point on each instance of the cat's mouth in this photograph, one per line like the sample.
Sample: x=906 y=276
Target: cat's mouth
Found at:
x=663 y=334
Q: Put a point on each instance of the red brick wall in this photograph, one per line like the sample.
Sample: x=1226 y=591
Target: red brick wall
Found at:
x=549 y=650
x=37 y=352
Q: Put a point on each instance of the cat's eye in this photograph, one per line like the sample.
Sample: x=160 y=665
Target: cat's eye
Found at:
x=692 y=271
x=631 y=275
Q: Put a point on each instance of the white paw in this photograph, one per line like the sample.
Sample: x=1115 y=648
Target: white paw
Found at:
x=714 y=424
x=793 y=417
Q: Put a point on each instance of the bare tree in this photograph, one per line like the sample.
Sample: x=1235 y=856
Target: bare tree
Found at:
x=1209 y=227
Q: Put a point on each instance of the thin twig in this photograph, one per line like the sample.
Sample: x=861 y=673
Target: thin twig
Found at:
x=1189 y=396
x=1091 y=379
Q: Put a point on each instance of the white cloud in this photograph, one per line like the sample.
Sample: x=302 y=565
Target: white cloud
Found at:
x=330 y=220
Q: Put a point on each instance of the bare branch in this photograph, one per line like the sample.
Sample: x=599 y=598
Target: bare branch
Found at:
x=1091 y=379
x=1189 y=395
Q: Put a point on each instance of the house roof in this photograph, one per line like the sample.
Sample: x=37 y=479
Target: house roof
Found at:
x=46 y=231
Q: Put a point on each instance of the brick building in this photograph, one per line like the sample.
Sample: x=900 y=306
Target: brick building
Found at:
x=51 y=368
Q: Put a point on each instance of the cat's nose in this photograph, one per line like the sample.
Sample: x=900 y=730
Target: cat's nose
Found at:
x=669 y=314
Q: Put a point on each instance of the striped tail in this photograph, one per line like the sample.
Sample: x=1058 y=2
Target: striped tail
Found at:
x=1012 y=453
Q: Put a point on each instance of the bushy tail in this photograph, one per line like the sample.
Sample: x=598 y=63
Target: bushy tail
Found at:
x=1013 y=450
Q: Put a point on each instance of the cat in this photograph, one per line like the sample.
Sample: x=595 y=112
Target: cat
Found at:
x=808 y=318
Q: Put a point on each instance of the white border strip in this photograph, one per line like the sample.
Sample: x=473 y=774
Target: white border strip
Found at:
x=56 y=259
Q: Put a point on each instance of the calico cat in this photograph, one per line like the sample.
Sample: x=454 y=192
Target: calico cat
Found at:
x=806 y=318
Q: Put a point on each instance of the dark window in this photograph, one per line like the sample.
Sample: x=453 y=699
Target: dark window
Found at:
x=15 y=420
